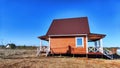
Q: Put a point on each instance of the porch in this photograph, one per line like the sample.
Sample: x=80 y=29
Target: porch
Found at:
x=98 y=46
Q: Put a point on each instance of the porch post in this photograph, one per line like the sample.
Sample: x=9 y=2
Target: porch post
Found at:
x=48 y=48
x=99 y=43
x=39 y=49
x=49 y=45
x=95 y=44
x=95 y=49
x=86 y=44
x=101 y=46
x=40 y=44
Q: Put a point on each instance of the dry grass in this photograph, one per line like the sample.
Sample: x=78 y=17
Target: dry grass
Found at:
x=27 y=59
x=16 y=53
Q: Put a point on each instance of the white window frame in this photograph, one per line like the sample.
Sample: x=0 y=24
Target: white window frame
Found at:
x=82 y=41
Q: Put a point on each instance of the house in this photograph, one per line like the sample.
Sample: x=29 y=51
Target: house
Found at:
x=71 y=36
x=8 y=46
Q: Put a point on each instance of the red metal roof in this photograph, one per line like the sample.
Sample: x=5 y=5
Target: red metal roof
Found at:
x=95 y=37
x=69 y=26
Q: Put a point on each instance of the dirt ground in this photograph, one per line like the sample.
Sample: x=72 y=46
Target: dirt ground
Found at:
x=27 y=59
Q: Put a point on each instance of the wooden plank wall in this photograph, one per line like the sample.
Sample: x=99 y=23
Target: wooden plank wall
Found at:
x=61 y=45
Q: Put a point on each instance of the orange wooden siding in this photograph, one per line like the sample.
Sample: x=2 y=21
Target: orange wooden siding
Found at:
x=60 y=45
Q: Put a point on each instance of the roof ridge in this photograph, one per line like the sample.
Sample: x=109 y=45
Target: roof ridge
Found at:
x=69 y=18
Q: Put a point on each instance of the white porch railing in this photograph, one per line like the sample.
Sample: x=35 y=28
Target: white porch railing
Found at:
x=93 y=49
x=106 y=52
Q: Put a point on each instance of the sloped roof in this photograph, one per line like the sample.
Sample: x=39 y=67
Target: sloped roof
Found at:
x=69 y=26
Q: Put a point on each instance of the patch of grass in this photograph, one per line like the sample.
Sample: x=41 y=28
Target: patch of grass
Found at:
x=17 y=58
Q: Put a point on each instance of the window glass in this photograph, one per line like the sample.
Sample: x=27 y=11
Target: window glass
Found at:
x=79 y=41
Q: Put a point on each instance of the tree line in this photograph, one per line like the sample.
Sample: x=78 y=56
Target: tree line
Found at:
x=13 y=46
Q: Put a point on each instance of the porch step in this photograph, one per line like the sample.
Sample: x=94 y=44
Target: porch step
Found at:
x=108 y=54
x=42 y=50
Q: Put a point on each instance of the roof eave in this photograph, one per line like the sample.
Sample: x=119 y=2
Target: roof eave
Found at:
x=67 y=35
x=44 y=37
x=95 y=37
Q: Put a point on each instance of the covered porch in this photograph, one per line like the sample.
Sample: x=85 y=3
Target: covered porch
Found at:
x=97 y=47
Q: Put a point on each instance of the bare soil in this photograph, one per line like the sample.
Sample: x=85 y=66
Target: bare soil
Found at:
x=27 y=59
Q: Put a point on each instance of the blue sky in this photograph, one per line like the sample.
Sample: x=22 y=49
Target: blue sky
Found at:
x=22 y=21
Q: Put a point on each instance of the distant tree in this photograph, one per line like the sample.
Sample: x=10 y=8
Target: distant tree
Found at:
x=2 y=46
x=24 y=46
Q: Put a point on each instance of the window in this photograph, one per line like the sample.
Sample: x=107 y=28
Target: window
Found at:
x=79 y=41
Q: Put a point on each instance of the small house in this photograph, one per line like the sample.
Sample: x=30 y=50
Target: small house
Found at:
x=8 y=46
x=71 y=36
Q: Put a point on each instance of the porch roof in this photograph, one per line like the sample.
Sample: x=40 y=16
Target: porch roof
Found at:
x=91 y=36
x=44 y=37
x=95 y=37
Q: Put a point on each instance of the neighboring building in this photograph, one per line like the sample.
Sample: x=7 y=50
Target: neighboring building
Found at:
x=8 y=46
x=114 y=49
x=71 y=36
x=11 y=46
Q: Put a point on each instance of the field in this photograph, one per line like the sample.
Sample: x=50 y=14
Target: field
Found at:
x=21 y=58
